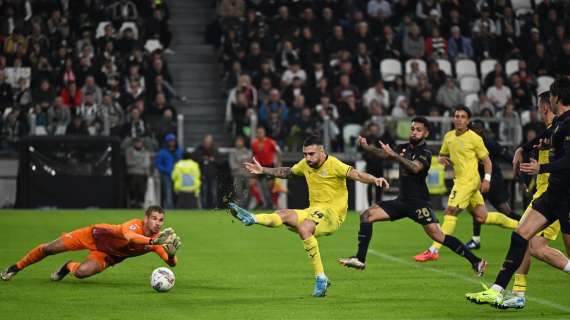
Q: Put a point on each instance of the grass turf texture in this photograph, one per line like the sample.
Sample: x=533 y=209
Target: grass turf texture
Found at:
x=229 y=271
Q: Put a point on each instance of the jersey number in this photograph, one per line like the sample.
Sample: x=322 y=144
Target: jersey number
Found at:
x=424 y=213
x=453 y=193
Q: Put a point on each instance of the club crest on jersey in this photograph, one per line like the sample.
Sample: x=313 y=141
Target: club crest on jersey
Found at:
x=133 y=227
x=323 y=173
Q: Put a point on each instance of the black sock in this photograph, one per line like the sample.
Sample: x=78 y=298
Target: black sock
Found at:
x=513 y=259
x=476 y=228
x=364 y=237
x=458 y=247
x=513 y=215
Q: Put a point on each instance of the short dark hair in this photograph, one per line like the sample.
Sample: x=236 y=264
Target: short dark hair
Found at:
x=423 y=121
x=544 y=98
x=313 y=139
x=462 y=108
x=186 y=155
x=153 y=208
x=561 y=89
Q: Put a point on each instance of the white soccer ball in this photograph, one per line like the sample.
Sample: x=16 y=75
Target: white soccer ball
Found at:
x=162 y=279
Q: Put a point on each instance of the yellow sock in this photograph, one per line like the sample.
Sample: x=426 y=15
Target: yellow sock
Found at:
x=498 y=218
x=312 y=247
x=269 y=220
x=448 y=227
x=520 y=282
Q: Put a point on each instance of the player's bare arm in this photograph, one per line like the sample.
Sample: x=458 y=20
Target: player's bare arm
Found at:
x=488 y=168
x=414 y=166
x=367 y=178
x=362 y=143
x=444 y=159
x=280 y=172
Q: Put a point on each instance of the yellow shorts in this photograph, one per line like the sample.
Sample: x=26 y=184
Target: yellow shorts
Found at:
x=327 y=221
x=551 y=232
x=462 y=196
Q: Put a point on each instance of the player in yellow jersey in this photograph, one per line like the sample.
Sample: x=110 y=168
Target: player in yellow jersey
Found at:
x=538 y=245
x=328 y=201
x=463 y=149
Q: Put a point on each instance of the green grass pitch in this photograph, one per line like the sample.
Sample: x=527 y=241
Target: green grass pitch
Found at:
x=228 y=271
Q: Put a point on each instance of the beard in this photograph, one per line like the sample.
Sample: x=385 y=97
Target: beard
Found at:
x=414 y=141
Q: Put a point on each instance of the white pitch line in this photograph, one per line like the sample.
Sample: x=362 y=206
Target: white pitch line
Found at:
x=416 y=265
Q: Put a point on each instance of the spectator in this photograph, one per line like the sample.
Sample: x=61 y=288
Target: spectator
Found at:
x=89 y=112
x=112 y=115
x=187 y=180
x=482 y=103
x=77 y=127
x=484 y=21
x=540 y=63
x=413 y=77
x=301 y=128
x=489 y=80
x=294 y=71
x=390 y=46
x=511 y=129
x=379 y=9
x=329 y=116
x=13 y=129
x=425 y=102
x=522 y=93
x=44 y=93
x=244 y=86
x=459 y=46
x=23 y=95
x=436 y=45
x=378 y=93
x=164 y=162
x=72 y=97
x=265 y=151
x=135 y=126
x=241 y=177
x=400 y=107
x=413 y=44
x=436 y=76
x=90 y=87
x=6 y=93
x=374 y=165
x=124 y=10
x=499 y=94
x=449 y=95
x=138 y=170
x=59 y=117
x=424 y=7
x=397 y=89
x=208 y=157
x=345 y=88
x=351 y=112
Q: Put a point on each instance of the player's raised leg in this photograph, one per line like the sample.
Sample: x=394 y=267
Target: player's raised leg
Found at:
x=448 y=227
x=367 y=217
x=35 y=255
x=434 y=231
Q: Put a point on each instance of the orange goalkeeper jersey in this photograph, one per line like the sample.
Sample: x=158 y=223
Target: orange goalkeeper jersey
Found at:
x=126 y=240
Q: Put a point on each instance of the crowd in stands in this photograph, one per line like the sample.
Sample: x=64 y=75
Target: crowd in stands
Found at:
x=301 y=66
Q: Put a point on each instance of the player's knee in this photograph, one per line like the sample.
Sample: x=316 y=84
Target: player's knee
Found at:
x=306 y=229
x=84 y=272
x=480 y=219
x=48 y=249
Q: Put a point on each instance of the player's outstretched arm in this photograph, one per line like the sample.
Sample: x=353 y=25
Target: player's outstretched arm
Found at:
x=414 y=166
x=361 y=142
x=279 y=172
x=367 y=178
x=488 y=168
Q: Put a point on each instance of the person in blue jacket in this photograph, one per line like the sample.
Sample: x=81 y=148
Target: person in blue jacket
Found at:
x=165 y=160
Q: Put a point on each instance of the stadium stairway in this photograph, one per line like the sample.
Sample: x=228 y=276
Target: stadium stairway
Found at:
x=195 y=72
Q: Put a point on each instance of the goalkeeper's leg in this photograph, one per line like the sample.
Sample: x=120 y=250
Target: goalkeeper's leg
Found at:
x=35 y=255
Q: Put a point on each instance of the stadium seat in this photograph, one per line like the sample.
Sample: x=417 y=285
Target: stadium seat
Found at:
x=131 y=25
x=543 y=83
x=470 y=99
x=41 y=131
x=465 y=68
x=486 y=66
x=470 y=84
x=422 y=64
x=511 y=66
x=350 y=133
x=60 y=130
x=390 y=68
x=445 y=66
x=521 y=4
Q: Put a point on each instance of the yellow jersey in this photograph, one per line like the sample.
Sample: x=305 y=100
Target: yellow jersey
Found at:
x=326 y=184
x=465 y=151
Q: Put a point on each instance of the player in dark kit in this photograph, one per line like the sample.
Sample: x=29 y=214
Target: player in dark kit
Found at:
x=552 y=205
x=497 y=194
x=413 y=202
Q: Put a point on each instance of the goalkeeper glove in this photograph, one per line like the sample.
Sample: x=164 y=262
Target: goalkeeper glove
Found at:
x=164 y=237
x=173 y=246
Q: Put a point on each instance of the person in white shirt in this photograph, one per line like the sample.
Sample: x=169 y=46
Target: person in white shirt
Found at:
x=379 y=93
x=499 y=94
x=293 y=71
x=377 y=8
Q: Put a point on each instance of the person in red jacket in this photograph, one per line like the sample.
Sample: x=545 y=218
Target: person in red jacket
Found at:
x=266 y=151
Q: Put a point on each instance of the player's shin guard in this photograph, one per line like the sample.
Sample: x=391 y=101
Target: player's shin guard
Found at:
x=312 y=248
x=513 y=259
x=364 y=237
x=269 y=220
x=35 y=255
x=448 y=227
x=501 y=219
x=458 y=247
x=520 y=283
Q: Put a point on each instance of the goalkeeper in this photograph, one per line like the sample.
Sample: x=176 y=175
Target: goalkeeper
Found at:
x=108 y=244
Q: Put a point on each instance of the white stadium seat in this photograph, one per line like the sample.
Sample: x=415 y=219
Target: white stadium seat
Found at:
x=390 y=68
x=421 y=64
x=486 y=66
x=470 y=84
x=445 y=66
x=350 y=133
x=511 y=66
x=543 y=83
x=470 y=99
x=465 y=68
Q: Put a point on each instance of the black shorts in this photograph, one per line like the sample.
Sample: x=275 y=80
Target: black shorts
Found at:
x=497 y=194
x=554 y=206
x=419 y=211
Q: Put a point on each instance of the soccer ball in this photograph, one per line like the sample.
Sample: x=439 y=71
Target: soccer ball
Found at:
x=162 y=279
